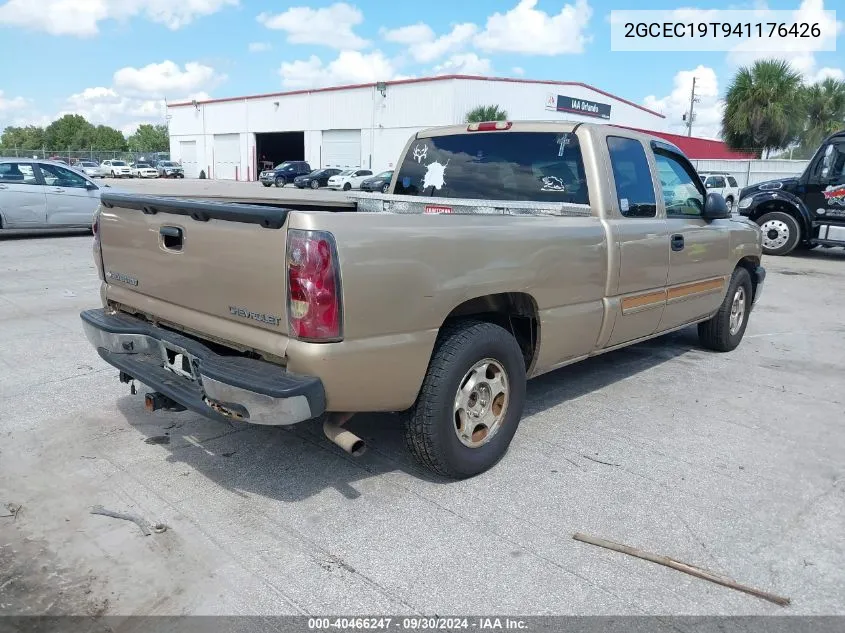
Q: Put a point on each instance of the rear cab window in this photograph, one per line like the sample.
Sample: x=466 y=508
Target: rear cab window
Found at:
x=524 y=166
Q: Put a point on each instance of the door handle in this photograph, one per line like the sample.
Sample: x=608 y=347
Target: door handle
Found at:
x=171 y=237
x=677 y=242
x=4 y=186
x=58 y=190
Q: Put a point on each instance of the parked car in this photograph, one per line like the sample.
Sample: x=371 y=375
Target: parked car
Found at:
x=725 y=184
x=90 y=168
x=116 y=169
x=283 y=173
x=539 y=259
x=316 y=179
x=39 y=194
x=349 y=179
x=144 y=170
x=803 y=212
x=169 y=169
x=380 y=182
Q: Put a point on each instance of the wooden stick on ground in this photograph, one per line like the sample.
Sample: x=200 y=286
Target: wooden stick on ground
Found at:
x=684 y=567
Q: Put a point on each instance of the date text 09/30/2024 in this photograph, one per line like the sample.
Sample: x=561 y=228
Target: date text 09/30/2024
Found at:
x=417 y=623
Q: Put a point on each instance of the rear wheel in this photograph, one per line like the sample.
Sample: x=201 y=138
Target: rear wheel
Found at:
x=729 y=202
x=471 y=400
x=724 y=331
x=781 y=232
x=386 y=187
x=315 y=184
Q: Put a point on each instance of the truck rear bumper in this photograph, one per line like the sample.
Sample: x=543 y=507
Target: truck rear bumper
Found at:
x=215 y=385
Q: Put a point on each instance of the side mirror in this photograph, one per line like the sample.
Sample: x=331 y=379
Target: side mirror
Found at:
x=90 y=186
x=715 y=207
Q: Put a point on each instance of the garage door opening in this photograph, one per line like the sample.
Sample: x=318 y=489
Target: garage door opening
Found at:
x=272 y=148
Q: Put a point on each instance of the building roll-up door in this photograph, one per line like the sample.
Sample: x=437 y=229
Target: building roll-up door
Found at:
x=227 y=156
x=188 y=157
x=341 y=148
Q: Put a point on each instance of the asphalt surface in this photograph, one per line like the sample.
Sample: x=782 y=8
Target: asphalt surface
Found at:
x=731 y=462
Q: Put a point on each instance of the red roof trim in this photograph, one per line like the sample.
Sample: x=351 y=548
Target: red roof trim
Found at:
x=699 y=148
x=398 y=82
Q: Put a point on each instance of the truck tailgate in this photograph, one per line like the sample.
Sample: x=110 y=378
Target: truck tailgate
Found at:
x=198 y=264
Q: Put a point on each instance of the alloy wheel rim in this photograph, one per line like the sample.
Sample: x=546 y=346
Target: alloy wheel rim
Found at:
x=775 y=234
x=481 y=403
x=737 y=311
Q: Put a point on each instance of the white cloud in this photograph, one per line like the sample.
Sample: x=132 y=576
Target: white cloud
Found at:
x=411 y=34
x=464 y=64
x=105 y=106
x=526 y=30
x=259 y=47
x=9 y=104
x=350 y=67
x=828 y=73
x=329 y=26
x=82 y=17
x=708 y=111
x=167 y=79
x=518 y=70
x=424 y=46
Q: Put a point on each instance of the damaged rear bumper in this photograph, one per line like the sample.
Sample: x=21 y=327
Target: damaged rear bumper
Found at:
x=191 y=374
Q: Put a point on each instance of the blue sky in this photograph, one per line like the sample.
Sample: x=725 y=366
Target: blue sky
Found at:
x=116 y=60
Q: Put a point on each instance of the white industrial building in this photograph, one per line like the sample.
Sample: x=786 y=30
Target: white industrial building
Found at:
x=368 y=125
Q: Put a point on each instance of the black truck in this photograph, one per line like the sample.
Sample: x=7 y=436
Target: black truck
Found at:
x=805 y=211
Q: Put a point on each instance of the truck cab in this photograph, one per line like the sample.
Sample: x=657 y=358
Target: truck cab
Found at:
x=802 y=212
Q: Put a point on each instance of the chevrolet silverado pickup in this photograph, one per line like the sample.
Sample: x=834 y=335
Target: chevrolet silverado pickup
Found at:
x=501 y=251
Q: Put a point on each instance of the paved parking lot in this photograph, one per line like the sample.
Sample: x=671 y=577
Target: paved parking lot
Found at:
x=730 y=462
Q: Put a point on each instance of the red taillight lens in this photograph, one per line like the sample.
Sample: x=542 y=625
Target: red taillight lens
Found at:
x=314 y=295
x=489 y=126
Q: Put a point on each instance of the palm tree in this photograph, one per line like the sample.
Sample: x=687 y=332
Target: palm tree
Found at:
x=764 y=108
x=486 y=113
x=825 y=106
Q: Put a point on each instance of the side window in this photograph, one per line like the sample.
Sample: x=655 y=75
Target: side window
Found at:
x=732 y=181
x=60 y=177
x=681 y=196
x=634 y=187
x=17 y=174
x=719 y=182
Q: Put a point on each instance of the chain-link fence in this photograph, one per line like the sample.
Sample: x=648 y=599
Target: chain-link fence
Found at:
x=72 y=157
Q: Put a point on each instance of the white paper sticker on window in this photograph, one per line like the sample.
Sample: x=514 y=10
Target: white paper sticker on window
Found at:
x=623 y=204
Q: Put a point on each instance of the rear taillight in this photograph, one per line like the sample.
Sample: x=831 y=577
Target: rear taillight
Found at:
x=314 y=293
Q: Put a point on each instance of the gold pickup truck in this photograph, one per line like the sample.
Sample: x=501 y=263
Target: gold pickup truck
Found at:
x=502 y=250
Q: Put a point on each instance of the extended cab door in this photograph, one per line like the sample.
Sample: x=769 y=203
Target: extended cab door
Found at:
x=699 y=264
x=640 y=236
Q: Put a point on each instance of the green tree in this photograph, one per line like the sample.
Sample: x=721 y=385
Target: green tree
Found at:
x=71 y=132
x=30 y=137
x=150 y=138
x=486 y=113
x=107 y=138
x=764 y=107
x=824 y=103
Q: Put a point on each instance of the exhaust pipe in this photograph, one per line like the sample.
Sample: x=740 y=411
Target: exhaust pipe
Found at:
x=348 y=441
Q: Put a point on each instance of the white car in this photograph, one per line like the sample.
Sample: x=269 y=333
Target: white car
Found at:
x=143 y=170
x=116 y=169
x=720 y=182
x=349 y=179
x=90 y=168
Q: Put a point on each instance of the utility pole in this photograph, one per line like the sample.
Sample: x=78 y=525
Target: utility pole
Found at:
x=690 y=116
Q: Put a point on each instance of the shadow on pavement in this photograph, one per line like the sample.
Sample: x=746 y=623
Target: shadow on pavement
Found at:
x=294 y=463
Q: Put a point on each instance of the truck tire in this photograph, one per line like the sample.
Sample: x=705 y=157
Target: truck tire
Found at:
x=781 y=232
x=458 y=426
x=724 y=330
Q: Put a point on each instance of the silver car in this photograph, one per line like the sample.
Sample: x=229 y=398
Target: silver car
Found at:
x=90 y=168
x=45 y=194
